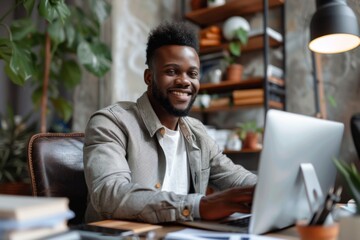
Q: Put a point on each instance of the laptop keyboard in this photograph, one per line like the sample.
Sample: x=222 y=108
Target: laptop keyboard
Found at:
x=240 y=222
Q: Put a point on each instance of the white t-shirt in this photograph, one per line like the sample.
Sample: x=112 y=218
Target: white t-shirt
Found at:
x=177 y=175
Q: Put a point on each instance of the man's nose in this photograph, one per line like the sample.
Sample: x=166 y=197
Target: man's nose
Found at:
x=183 y=79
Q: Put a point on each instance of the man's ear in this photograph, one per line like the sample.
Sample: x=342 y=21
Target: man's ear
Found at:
x=147 y=77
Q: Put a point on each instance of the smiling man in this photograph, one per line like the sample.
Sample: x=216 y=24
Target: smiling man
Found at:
x=147 y=160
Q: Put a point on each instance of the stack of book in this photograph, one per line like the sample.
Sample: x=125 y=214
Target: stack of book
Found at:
x=210 y=36
x=248 y=97
x=26 y=217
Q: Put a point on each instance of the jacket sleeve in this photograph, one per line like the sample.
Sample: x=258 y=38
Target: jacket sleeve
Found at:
x=112 y=193
x=224 y=173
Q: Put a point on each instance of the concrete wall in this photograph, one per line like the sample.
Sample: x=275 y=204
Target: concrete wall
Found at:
x=127 y=33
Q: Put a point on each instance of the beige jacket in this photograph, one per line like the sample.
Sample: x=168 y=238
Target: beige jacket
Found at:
x=125 y=165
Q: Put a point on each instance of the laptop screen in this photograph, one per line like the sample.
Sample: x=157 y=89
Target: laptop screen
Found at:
x=289 y=141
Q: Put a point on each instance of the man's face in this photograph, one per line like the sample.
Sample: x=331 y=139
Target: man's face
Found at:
x=174 y=78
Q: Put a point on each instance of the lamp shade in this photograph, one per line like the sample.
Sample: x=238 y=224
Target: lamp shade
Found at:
x=333 y=27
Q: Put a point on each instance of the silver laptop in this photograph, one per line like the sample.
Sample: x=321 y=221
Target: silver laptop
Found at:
x=290 y=141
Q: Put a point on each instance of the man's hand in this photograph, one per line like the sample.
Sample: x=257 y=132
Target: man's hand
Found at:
x=224 y=203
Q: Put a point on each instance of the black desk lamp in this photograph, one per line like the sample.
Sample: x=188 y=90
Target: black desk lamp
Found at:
x=333 y=29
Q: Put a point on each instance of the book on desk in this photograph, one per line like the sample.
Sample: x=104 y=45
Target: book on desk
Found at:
x=26 y=217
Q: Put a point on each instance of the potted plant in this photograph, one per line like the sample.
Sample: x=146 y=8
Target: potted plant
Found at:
x=14 y=135
x=249 y=133
x=234 y=70
x=349 y=226
x=49 y=55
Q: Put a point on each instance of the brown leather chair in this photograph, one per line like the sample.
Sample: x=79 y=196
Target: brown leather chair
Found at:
x=55 y=162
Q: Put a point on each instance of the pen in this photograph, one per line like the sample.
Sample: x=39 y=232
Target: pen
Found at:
x=332 y=198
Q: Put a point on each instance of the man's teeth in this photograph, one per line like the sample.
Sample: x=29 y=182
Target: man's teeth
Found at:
x=180 y=93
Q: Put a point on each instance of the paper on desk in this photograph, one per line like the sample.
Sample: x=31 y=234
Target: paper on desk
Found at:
x=197 y=234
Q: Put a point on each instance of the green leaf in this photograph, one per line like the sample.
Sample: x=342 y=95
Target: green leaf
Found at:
x=22 y=28
x=101 y=9
x=52 y=10
x=70 y=34
x=70 y=74
x=242 y=35
x=36 y=97
x=13 y=76
x=332 y=101
x=235 y=48
x=63 y=108
x=56 y=32
x=5 y=50
x=352 y=178
x=29 y=5
x=95 y=57
x=21 y=62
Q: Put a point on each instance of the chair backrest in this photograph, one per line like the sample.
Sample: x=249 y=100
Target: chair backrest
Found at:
x=355 y=131
x=55 y=162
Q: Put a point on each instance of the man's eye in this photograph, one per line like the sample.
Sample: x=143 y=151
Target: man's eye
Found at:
x=194 y=74
x=170 y=72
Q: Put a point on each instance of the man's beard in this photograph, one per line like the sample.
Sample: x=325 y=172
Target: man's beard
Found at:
x=165 y=102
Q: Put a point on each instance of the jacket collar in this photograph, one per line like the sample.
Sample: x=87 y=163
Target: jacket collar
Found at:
x=153 y=123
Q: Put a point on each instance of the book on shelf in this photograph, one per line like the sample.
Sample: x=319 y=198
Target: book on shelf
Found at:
x=270 y=31
x=220 y=102
x=276 y=80
x=210 y=36
x=248 y=93
x=209 y=63
x=274 y=71
x=248 y=101
x=213 y=55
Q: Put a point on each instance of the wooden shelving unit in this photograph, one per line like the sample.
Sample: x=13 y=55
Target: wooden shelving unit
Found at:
x=229 y=98
x=255 y=43
x=226 y=86
x=208 y=16
x=263 y=42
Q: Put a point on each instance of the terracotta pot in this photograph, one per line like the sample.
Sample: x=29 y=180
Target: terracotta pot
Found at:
x=318 y=232
x=15 y=188
x=251 y=140
x=234 y=72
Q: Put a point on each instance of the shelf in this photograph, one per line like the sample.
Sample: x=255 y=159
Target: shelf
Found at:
x=255 y=43
x=228 y=85
x=276 y=105
x=272 y=104
x=223 y=108
x=208 y=16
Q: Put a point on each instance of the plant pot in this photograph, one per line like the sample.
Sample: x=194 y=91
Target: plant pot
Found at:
x=318 y=232
x=349 y=228
x=15 y=188
x=251 y=140
x=234 y=72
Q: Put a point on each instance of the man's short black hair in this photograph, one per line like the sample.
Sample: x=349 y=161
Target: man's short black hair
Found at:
x=175 y=33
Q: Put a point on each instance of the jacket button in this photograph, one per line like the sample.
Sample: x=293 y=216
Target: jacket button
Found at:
x=162 y=131
x=158 y=185
x=186 y=212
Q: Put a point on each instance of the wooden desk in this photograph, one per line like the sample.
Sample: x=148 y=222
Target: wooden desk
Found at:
x=160 y=232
